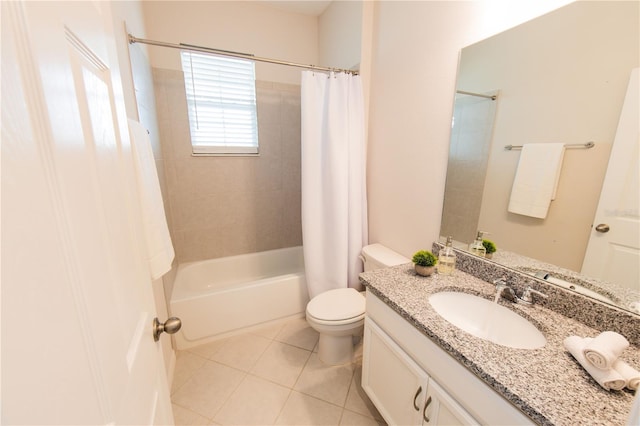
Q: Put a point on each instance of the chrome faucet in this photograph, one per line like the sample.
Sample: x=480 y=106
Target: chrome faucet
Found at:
x=527 y=296
x=504 y=290
x=501 y=287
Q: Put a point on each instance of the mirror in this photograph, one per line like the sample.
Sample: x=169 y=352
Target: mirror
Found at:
x=561 y=77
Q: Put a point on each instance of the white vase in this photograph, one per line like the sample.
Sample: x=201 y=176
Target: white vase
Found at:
x=425 y=271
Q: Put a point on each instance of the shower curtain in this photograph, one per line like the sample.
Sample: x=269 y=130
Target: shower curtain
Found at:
x=334 y=204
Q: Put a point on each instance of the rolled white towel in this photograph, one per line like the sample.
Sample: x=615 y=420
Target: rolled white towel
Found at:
x=609 y=379
x=603 y=350
x=630 y=374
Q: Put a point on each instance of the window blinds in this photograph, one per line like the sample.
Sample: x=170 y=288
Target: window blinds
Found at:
x=221 y=102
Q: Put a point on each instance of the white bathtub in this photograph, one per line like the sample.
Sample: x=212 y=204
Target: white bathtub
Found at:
x=216 y=297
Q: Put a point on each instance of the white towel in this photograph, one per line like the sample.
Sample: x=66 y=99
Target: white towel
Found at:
x=160 y=249
x=603 y=350
x=609 y=379
x=630 y=374
x=536 y=179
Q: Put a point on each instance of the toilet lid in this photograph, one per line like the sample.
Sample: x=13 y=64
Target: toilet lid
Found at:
x=337 y=305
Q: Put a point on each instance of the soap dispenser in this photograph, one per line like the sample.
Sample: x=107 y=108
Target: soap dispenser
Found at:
x=477 y=247
x=447 y=258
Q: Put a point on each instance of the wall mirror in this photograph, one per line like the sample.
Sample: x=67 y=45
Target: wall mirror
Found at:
x=561 y=77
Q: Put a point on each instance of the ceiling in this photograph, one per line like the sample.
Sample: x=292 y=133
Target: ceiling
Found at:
x=306 y=7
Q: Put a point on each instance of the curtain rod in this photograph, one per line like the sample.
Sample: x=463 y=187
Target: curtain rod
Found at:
x=190 y=47
x=570 y=145
x=492 y=97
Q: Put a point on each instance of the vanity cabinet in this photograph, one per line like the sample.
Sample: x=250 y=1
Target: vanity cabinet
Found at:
x=412 y=381
x=401 y=390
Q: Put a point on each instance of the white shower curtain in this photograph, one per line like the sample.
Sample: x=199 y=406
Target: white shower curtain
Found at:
x=334 y=204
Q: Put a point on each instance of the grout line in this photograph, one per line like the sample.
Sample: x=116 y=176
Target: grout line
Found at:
x=350 y=386
x=230 y=395
x=191 y=411
x=172 y=391
x=283 y=405
x=302 y=370
x=319 y=399
x=254 y=374
x=353 y=372
x=246 y=374
x=377 y=420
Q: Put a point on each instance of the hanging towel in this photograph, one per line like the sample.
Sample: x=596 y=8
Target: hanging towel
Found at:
x=536 y=179
x=609 y=379
x=160 y=249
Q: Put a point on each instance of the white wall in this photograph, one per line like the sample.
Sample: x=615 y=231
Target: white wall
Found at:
x=415 y=56
x=340 y=35
x=240 y=26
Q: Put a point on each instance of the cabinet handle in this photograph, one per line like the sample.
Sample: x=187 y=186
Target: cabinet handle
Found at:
x=424 y=412
x=416 y=397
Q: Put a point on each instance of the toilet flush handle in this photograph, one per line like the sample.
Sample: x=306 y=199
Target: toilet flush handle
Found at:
x=170 y=326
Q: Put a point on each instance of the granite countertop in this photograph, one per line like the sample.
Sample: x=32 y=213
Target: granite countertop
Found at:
x=624 y=297
x=546 y=384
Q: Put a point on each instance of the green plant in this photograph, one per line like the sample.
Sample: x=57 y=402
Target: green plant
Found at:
x=424 y=258
x=489 y=246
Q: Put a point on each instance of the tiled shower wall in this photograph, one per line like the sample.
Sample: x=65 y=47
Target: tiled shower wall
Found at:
x=468 y=158
x=223 y=206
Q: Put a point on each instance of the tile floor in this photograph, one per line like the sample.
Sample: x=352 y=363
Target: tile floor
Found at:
x=269 y=376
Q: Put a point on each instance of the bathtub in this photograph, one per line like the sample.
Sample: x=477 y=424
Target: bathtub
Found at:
x=217 y=297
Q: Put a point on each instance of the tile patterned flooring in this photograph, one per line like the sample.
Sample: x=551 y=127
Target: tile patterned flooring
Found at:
x=268 y=376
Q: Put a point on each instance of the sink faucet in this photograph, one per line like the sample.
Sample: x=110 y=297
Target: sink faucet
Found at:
x=527 y=296
x=501 y=287
x=504 y=290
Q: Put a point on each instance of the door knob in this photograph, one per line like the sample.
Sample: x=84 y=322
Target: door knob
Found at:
x=603 y=227
x=170 y=326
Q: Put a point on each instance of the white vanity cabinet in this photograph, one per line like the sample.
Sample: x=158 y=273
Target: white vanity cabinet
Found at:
x=401 y=390
x=443 y=409
x=394 y=382
x=412 y=381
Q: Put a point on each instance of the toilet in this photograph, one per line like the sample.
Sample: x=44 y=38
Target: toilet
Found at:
x=338 y=315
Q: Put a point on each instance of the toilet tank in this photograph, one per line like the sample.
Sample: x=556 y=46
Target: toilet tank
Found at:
x=376 y=256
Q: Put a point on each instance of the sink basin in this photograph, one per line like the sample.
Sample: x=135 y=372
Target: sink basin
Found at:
x=487 y=320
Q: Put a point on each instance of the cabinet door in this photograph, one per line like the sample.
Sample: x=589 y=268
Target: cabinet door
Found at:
x=393 y=381
x=442 y=409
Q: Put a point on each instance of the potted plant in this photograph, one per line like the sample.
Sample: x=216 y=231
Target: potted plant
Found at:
x=425 y=262
x=490 y=248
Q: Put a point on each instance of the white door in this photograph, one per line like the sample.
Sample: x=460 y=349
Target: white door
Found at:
x=77 y=305
x=613 y=252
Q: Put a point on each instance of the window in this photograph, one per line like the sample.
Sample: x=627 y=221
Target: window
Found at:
x=221 y=101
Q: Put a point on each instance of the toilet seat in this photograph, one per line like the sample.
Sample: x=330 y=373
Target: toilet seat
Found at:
x=347 y=321
x=337 y=307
